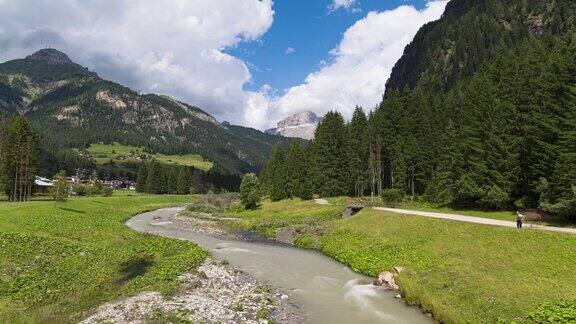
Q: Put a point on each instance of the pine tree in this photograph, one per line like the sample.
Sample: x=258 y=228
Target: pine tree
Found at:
x=141 y=181
x=359 y=142
x=330 y=158
x=19 y=159
x=154 y=179
x=184 y=181
x=276 y=174
x=294 y=168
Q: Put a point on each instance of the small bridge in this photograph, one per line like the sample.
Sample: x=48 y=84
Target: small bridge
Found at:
x=352 y=208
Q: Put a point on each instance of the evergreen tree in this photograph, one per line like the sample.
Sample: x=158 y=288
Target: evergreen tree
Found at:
x=359 y=142
x=154 y=179
x=295 y=169
x=19 y=159
x=329 y=161
x=275 y=173
x=142 y=180
x=184 y=182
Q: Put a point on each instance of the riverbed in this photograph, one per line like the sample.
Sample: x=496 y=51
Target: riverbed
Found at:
x=325 y=290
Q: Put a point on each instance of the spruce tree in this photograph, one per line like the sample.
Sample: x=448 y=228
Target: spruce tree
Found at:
x=330 y=163
x=184 y=181
x=276 y=173
x=19 y=159
x=142 y=179
x=294 y=168
x=359 y=142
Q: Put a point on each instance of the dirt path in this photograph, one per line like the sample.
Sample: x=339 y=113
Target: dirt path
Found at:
x=476 y=220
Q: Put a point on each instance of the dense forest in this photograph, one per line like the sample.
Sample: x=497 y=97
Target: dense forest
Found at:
x=18 y=158
x=504 y=138
x=156 y=178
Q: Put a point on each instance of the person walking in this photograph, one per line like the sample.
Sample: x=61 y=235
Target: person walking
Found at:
x=519 y=219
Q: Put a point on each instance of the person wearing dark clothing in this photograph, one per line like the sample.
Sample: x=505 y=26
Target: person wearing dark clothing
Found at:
x=519 y=220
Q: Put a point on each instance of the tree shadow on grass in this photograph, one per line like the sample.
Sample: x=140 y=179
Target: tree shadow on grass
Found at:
x=134 y=268
x=72 y=210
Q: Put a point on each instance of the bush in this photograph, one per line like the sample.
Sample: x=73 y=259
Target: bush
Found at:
x=249 y=191
x=494 y=198
x=564 y=208
x=107 y=191
x=393 y=197
x=95 y=189
x=81 y=190
x=61 y=189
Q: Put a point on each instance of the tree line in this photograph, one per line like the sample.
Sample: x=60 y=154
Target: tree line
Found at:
x=505 y=138
x=18 y=158
x=156 y=178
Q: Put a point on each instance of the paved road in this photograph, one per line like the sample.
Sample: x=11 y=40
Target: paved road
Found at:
x=476 y=220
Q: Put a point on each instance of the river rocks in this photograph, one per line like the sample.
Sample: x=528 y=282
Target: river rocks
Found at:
x=221 y=294
x=386 y=279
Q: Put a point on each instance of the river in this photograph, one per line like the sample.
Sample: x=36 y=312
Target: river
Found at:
x=325 y=290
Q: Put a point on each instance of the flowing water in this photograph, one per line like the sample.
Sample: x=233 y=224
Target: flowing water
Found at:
x=326 y=291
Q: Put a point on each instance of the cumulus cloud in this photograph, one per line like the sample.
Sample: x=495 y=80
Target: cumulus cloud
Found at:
x=164 y=46
x=290 y=50
x=360 y=65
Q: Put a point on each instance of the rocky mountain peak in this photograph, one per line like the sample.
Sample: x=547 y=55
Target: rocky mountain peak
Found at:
x=302 y=125
x=50 y=56
x=306 y=117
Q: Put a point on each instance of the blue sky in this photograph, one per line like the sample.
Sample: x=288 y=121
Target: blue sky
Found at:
x=311 y=30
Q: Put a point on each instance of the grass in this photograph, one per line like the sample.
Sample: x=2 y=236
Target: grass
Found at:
x=59 y=260
x=460 y=272
x=118 y=153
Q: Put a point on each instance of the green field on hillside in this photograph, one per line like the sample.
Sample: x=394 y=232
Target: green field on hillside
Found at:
x=460 y=272
x=118 y=153
x=58 y=260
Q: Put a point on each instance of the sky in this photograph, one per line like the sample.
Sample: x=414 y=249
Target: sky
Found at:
x=248 y=62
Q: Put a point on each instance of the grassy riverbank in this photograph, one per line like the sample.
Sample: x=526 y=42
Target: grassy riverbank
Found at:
x=460 y=272
x=60 y=259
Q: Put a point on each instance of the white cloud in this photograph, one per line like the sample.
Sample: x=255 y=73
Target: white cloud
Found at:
x=361 y=64
x=163 y=46
x=290 y=50
x=337 y=4
x=176 y=47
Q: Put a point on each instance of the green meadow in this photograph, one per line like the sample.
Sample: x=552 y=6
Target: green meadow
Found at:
x=118 y=153
x=462 y=273
x=58 y=260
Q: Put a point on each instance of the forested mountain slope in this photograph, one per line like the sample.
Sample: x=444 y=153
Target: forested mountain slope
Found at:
x=72 y=107
x=481 y=109
x=471 y=32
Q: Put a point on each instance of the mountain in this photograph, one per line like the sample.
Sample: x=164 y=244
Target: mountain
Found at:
x=72 y=107
x=472 y=32
x=300 y=125
x=481 y=108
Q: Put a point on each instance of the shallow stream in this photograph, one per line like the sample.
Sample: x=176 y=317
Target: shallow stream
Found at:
x=326 y=291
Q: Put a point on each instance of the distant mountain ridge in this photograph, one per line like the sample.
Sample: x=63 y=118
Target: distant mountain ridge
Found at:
x=300 y=125
x=72 y=107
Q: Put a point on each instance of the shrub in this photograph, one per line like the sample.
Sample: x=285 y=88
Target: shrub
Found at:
x=494 y=198
x=249 y=191
x=107 y=191
x=81 y=190
x=61 y=189
x=95 y=189
x=393 y=197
